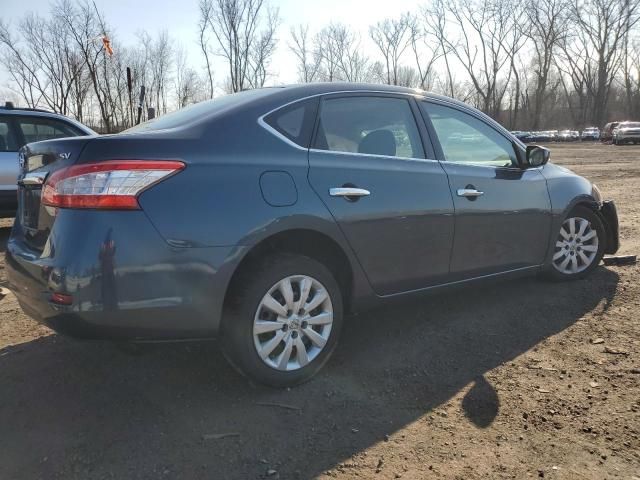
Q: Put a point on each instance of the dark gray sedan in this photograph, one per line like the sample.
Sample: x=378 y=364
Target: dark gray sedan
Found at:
x=262 y=218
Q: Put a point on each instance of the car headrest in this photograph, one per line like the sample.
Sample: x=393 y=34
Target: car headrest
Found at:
x=378 y=142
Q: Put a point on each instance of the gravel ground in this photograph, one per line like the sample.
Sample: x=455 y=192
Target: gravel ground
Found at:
x=525 y=379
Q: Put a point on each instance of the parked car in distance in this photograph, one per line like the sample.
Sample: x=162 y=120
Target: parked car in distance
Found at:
x=524 y=137
x=263 y=217
x=565 y=136
x=590 y=133
x=19 y=126
x=533 y=137
x=626 y=132
x=607 y=132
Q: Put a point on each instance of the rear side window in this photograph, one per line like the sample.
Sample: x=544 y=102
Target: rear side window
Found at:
x=295 y=121
x=36 y=129
x=369 y=125
x=8 y=141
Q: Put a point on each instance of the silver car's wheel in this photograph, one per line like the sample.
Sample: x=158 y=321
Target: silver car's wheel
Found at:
x=576 y=247
x=292 y=323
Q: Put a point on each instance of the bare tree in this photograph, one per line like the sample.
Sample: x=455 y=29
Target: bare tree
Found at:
x=631 y=76
x=435 y=26
x=206 y=8
x=83 y=22
x=424 y=53
x=21 y=68
x=408 y=77
x=484 y=46
x=329 y=53
x=308 y=59
x=244 y=36
x=547 y=31
x=159 y=55
x=512 y=45
x=600 y=28
x=262 y=50
x=42 y=62
x=392 y=37
x=185 y=81
x=352 y=63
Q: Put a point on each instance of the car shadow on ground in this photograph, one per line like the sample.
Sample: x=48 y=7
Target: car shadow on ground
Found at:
x=70 y=409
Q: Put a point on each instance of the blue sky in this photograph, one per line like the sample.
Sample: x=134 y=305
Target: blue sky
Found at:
x=180 y=18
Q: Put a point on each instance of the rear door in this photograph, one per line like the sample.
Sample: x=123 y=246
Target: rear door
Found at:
x=9 y=145
x=503 y=213
x=384 y=188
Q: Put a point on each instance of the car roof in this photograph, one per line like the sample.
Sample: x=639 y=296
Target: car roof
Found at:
x=284 y=94
x=321 y=88
x=33 y=112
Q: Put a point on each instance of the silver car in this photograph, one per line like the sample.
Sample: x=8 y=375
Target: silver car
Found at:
x=626 y=132
x=19 y=126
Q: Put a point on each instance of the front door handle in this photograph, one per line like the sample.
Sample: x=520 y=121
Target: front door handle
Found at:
x=469 y=192
x=348 y=192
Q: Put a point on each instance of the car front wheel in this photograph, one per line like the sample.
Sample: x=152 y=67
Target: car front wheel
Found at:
x=284 y=320
x=579 y=246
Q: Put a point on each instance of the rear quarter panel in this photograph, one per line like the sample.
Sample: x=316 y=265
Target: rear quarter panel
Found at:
x=218 y=199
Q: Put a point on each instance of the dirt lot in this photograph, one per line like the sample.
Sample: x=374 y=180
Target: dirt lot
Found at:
x=502 y=381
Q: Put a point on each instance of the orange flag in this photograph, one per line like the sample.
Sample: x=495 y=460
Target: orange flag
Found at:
x=107 y=45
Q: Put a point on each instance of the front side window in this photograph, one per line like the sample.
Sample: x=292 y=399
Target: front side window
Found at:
x=369 y=125
x=36 y=130
x=467 y=139
x=8 y=141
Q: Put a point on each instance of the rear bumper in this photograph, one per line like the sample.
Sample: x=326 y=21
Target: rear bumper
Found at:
x=609 y=214
x=125 y=281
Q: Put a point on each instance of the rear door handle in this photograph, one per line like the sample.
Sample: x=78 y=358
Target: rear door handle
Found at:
x=348 y=192
x=469 y=192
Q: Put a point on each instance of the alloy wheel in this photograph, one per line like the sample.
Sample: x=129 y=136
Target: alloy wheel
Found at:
x=576 y=246
x=292 y=323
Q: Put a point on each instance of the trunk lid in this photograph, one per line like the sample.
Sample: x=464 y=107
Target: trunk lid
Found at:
x=37 y=161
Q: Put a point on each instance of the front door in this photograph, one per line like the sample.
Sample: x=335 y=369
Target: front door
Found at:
x=369 y=167
x=503 y=213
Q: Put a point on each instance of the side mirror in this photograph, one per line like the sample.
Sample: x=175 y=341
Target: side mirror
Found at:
x=537 y=156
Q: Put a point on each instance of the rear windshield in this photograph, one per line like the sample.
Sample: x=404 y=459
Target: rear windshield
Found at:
x=630 y=125
x=199 y=111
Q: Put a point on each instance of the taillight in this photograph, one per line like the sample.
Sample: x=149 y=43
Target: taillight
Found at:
x=113 y=184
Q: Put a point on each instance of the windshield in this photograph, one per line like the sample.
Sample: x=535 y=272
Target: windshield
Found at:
x=199 y=111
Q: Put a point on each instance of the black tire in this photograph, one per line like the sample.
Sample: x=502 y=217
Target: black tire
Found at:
x=596 y=224
x=237 y=339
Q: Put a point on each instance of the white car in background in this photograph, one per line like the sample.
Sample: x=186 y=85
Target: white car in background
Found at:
x=626 y=132
x=590 y=133
x=19 y=126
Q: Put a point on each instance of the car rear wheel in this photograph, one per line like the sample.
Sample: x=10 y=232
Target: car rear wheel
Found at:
x=579 y=246
x=283 y=322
